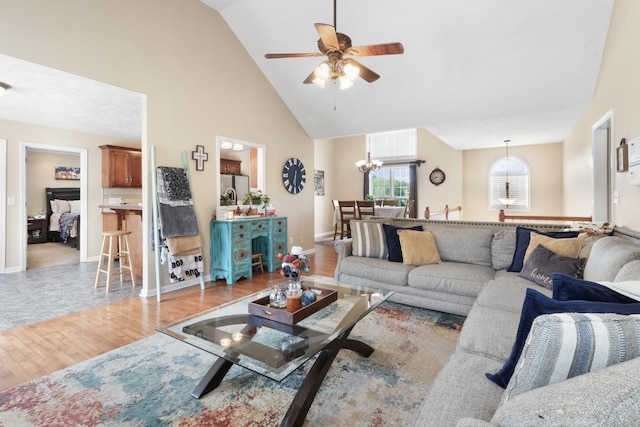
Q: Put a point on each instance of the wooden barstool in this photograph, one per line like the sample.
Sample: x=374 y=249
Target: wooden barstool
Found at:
x=256 y=261
x=122 y=252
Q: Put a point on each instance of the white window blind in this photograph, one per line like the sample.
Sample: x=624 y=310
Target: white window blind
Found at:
x=399 y=144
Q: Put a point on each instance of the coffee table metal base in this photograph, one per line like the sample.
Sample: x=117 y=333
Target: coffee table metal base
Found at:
x=303 y=399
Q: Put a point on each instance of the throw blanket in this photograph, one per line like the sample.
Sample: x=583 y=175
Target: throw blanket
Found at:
x=177 y=216
x=68 y=226
x=183 y=267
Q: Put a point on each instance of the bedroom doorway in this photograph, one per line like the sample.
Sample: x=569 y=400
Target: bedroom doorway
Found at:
x=35 y=203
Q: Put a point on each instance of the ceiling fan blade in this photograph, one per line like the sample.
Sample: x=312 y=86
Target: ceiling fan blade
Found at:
x=310 y=78
x=376 y=49
x=290 y=55
x=366 y=73
x=328 y=35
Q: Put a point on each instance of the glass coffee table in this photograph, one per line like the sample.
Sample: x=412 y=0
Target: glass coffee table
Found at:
x=273 y=349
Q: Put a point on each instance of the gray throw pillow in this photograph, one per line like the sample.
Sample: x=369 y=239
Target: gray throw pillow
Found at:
x=542 y=262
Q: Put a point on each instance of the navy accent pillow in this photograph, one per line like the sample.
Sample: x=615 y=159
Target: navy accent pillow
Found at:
x=536 y=304
x=566 y=288
x=542 y=262
x=522 y=243
x=393 y=240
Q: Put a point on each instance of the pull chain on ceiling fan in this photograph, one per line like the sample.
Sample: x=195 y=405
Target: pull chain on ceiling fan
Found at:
x=337 y=48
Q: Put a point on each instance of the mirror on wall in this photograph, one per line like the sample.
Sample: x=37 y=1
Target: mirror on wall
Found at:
x=241 y=168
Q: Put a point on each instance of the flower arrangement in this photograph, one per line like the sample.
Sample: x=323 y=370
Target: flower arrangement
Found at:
x=294 y=263
x=257 y=198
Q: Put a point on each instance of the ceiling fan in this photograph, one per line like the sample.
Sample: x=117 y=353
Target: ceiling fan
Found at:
x=338 y=50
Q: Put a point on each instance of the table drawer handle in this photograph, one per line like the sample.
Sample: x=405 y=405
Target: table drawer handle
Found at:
x=269 y=313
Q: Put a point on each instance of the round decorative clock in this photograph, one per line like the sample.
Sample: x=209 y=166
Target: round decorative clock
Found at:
x=437 y=176
x=294 y=175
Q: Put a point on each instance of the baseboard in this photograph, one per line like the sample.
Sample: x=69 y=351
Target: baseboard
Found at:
x=172 y=287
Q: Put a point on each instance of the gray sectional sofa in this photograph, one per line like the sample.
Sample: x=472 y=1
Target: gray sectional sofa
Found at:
x=472 y=280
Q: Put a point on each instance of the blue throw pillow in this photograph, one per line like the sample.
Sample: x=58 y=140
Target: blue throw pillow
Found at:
x=393 y=240
x=536 y=304
x=566 y=288
x=523 y=237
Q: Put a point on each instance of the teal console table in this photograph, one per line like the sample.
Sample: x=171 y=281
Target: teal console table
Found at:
x=233 y=242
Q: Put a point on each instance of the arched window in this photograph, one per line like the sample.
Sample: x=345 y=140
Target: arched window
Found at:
x=516 y=171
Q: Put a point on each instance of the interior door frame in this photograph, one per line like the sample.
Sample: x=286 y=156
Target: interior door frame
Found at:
x=3 y=204
x=603 y=167
x=83 y=153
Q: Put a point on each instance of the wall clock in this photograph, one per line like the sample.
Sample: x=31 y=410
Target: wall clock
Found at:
x=294 y=175
x=437 y=176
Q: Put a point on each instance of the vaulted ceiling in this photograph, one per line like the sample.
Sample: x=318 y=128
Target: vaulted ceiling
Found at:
x=473 y=73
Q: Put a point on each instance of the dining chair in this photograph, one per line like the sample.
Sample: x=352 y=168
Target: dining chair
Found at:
x=336 y=217
x=390 y=202
x=347 y=213
x=408 y=208
x=366 y=208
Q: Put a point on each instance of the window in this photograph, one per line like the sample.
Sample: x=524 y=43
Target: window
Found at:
x=392 y=181
x=518 y=175
x=397 y=145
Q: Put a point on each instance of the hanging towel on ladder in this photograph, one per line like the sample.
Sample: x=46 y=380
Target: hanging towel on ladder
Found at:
x=175 y=207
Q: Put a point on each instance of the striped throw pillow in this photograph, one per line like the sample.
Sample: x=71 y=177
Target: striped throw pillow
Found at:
x=564 y=345
x=368 y=239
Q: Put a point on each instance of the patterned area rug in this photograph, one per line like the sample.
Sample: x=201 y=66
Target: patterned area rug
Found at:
x=148 y=383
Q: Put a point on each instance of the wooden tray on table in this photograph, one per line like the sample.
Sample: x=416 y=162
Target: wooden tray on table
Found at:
x=260 y=307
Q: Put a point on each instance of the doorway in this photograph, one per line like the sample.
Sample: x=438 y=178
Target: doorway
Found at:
x=602 y=161
x=25 y=211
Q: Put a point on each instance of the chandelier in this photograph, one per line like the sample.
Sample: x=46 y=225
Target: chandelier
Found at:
x=368 y=165
x=507 y=200
x=336 y=69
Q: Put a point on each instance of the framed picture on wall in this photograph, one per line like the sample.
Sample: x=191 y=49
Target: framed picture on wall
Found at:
x=622 y=157
x=63 y=172
x=318 y=183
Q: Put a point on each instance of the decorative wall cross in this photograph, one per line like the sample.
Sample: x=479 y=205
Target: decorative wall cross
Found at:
x=200 y=157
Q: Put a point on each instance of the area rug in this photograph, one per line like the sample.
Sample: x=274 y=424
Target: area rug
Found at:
x=148 y=383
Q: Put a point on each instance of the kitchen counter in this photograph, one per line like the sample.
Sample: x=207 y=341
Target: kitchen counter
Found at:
x=129 y=218
x=122 y=211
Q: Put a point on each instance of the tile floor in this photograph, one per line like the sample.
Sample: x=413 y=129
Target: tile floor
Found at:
x=44 y=293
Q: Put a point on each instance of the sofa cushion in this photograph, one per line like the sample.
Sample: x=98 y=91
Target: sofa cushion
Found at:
x=503 y=245
x=629 y=271
x=489 y=332
x=368 y=239
x=463 y=244
x=536 y=304
x=393 y=240
x=567 y=288
x=377 y=270
x=460 y=390
x=418 y=248
x=608 y=256
x=506 y=292
x=451 y=277
x=608 y=397
x=523 y=235
x=542 y=262
x=565 y=345
x=563 y=247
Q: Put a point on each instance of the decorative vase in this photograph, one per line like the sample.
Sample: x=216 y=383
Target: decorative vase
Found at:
x=294 y=295
x=278 y=296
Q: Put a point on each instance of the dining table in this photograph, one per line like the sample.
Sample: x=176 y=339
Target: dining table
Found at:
x=381 y=211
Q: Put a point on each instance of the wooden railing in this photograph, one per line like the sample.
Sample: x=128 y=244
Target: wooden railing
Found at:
x=502 y=217
x=428 y=213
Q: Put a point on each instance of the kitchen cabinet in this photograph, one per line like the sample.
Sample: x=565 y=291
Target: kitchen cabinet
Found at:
x=230 y=166
x=121 y=167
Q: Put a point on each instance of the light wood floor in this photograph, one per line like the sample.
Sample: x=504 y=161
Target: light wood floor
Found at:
x=31 y=351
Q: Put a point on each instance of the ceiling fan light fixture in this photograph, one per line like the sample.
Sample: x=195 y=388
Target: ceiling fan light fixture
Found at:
x=323 y=71
x=351 y=71
x=319 y=82
x=345 y=83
